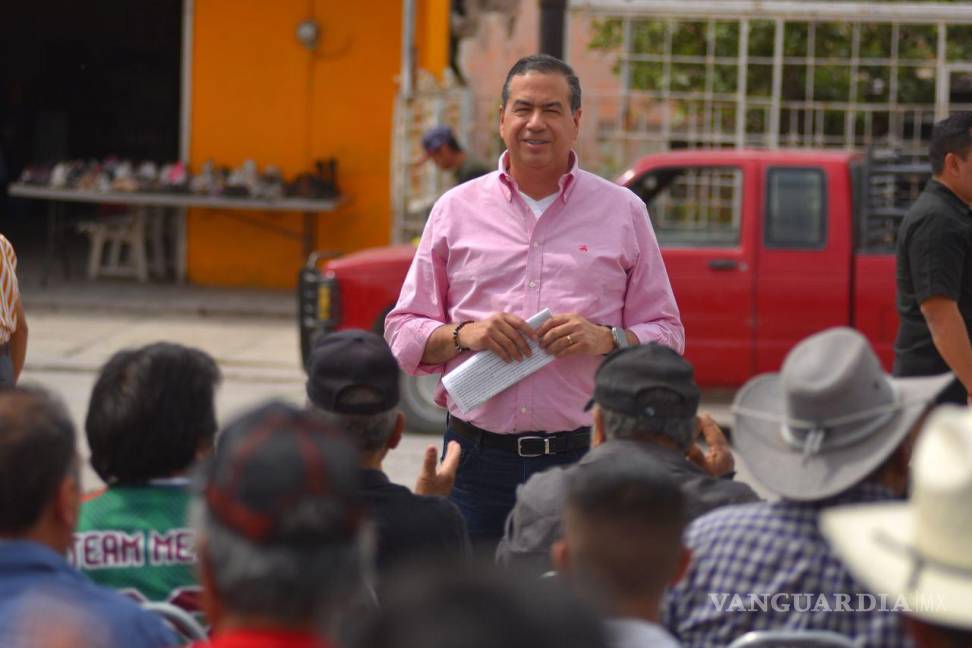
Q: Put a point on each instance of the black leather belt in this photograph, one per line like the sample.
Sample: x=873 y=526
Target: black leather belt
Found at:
x=526 y=444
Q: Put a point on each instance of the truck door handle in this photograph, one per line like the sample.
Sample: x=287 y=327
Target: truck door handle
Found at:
x=723 y=264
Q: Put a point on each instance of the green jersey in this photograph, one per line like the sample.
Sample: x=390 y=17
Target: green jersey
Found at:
x=135 y=539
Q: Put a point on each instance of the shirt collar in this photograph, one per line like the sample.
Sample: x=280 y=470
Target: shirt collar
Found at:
x=566 y=183
x=22 y=553
x=948 y=195
x=371 y=478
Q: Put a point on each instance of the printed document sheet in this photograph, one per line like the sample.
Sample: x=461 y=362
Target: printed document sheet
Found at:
x=486 y=374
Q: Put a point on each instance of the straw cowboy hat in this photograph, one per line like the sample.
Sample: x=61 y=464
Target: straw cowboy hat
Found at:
x=829 y=419
x=919 y=550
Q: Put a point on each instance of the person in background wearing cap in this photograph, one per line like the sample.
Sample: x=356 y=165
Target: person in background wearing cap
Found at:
x=278 y=527
x=41 y=596
x=353 y=382
x=645 y=402
x=151 y=416
x=443 y=149
x=917 y=552
x=622 y=544
x=537 y=233
x=831 y=429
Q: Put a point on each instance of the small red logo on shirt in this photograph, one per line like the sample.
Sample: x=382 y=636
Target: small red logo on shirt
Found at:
x=583 y=248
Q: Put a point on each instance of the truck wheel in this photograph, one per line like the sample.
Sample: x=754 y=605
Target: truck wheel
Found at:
x=416 y=401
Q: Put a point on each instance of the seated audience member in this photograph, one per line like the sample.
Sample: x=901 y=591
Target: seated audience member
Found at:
x=645 y=400
x=443 y=607
x=42 y=599
x=915 y=554
x=622 y=545
x=150 y=417
x=832 y=428
x=13 y=321
x=353 y=382
x=277 y=525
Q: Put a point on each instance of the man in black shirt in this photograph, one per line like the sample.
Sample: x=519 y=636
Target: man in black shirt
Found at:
x=934 y=273
x=353 y=383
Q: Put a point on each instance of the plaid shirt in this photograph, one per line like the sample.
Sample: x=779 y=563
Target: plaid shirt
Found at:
x=758 y=550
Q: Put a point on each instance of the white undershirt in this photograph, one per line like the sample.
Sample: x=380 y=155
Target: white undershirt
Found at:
x=538 y=206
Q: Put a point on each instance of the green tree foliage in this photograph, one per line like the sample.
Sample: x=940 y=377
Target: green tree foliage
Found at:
x=827 y=45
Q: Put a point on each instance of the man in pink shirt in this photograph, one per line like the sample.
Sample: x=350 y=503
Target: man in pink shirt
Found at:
x=536 y=233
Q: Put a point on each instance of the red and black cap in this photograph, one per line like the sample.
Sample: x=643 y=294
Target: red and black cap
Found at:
x=280 y=475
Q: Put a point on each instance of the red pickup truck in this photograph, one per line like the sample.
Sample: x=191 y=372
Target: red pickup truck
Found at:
x=762 y=249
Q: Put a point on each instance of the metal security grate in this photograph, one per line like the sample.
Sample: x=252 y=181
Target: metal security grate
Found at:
x=732 y=73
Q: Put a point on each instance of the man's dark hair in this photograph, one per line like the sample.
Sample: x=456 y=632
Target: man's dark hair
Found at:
x=37 y=451
x=627 y=518
x=951 y=135
x=150 y=411
x=443 y=606
x=545 y=64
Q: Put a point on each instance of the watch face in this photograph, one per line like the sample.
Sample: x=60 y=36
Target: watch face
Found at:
x=620 y=339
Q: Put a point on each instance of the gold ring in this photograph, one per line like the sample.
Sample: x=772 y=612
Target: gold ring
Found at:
x=569 y=340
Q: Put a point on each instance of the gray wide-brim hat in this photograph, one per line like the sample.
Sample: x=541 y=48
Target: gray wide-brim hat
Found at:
x=829 y=418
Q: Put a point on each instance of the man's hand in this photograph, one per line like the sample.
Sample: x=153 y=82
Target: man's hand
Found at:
x=504 y=334
x=717 y=460
x=570 y=334
x=437 y=478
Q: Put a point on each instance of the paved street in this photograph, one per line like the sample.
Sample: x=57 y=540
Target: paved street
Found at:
x=258 y=357
x=71 y=337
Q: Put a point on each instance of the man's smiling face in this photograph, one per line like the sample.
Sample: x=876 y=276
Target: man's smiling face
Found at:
x=537 y=125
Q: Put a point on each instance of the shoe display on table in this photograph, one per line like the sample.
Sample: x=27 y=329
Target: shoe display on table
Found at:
x=59 y=176
x=124 y=179
x=147 y=176
x=175 y=178
x=121 y=175
x=36 y=174
x=271 y=185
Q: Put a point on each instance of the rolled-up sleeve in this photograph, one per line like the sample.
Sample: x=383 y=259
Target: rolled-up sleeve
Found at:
x=421 y=306
x=650 y=311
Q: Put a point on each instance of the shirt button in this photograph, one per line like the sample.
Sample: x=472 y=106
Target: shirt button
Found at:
x=533 y=284
x=535 y=244
x=523 y=410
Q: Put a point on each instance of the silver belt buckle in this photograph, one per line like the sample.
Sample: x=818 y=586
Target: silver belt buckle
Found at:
x=519 y=446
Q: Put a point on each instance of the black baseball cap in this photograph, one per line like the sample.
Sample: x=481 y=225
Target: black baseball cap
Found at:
x=281 y=476
x=625 y=380
x=353 y=363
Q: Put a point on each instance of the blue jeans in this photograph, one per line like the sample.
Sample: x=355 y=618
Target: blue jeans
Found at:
x=485 y=488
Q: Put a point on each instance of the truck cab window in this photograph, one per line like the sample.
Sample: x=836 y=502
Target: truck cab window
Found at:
x=796 y=202
x=693 y=206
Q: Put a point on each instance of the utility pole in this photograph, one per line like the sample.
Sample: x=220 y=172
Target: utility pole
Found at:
x=552 y=27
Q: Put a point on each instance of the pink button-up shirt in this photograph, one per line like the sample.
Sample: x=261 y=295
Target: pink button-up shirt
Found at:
x=592 y=252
